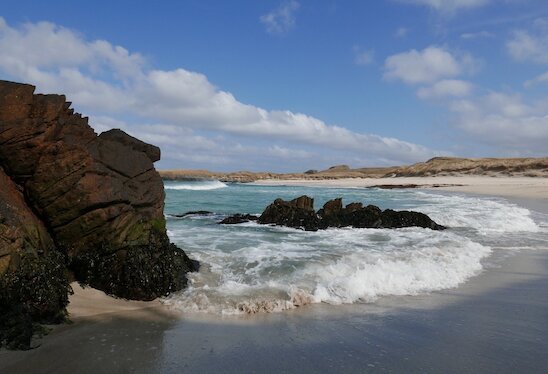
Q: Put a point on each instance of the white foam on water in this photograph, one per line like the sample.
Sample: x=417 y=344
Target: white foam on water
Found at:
x=334 y=266
x=484 y=215
x=196 y=186
x=254 y=268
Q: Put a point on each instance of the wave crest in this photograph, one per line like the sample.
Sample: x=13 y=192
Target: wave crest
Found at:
x=196 y=186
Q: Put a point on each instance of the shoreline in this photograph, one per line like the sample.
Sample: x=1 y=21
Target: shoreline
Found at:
x=512 y=187
x=474 y=324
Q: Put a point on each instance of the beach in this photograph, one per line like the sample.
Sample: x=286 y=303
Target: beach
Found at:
x=513 y=187
x=495 y=322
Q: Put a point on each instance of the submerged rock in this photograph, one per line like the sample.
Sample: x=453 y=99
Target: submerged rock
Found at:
x=299 y=213
x=238 y=218
x=194 y=213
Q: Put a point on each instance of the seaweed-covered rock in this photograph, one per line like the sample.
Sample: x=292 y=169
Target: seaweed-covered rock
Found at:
x=35 y=292
x=143 y=273
x=298 y=213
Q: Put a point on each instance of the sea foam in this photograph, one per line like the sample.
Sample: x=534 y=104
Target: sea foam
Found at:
x=253 y=268
x=195 y=185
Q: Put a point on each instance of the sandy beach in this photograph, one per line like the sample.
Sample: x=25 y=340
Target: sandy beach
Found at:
x=495 y=322
x=515 y=187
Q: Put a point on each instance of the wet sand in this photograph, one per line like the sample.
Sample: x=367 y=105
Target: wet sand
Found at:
x=497 y=322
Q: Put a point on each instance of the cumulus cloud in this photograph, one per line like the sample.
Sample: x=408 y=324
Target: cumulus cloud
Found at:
x=543 y=78
x=445 y=88
x=448 y=6
x=281 y=19
x=187 y=110
x=530 y=46
x=427 y=66
x=505 y=121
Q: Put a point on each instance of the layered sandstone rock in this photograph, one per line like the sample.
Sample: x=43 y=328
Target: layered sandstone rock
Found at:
x=21 y=232
x=95 y=200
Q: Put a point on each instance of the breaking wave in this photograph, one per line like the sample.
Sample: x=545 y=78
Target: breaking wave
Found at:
x=252 y=268
x=195 y=185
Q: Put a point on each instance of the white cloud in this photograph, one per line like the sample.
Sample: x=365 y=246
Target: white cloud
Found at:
x=543 y=78
x=427 y=66
x=363 y=57
x=282 y=19
x=505 y=121
x=110 y=83
x=449 y=6
x=445 y=88
x=530 y=46
x=477 y=35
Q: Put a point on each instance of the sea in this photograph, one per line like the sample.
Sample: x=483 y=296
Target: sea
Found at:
x=252 y=268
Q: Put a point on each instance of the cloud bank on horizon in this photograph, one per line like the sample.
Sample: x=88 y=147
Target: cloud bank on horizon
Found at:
x=198 y=124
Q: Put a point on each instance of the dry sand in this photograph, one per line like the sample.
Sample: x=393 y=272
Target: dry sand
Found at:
x=522 y=187
x=496 y=322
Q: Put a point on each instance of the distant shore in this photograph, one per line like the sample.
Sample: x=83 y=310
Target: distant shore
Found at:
x=520 y=187
x=435 y=167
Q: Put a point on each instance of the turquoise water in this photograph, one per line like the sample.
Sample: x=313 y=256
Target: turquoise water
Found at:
x=252 y=268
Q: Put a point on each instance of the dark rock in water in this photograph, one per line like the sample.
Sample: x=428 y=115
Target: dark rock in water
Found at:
x=395 y=219
x=238 y=218
x=298 y=213
x=394 y=186
x=70 y=198
x=194 y=213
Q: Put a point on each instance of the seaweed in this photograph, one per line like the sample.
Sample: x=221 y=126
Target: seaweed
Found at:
x=140 y=272
x=33 y=294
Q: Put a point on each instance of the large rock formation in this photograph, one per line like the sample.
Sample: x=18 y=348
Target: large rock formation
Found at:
x=299 y=213
x=97 y=200
x=21 y=232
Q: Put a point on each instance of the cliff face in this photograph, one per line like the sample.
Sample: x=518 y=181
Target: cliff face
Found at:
x=21 y=232
x=96 y=200
x=86 y=188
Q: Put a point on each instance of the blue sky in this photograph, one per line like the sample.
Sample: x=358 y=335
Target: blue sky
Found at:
x=295 y=84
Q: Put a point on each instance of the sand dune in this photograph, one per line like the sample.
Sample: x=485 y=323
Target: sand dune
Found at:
x=438 y=166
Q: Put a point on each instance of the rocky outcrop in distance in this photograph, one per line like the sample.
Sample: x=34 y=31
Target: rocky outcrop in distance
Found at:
x=70 y=199
x=438 y=166
x=299 y=213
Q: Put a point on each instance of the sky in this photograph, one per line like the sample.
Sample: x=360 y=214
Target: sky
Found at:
x=293 y=85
